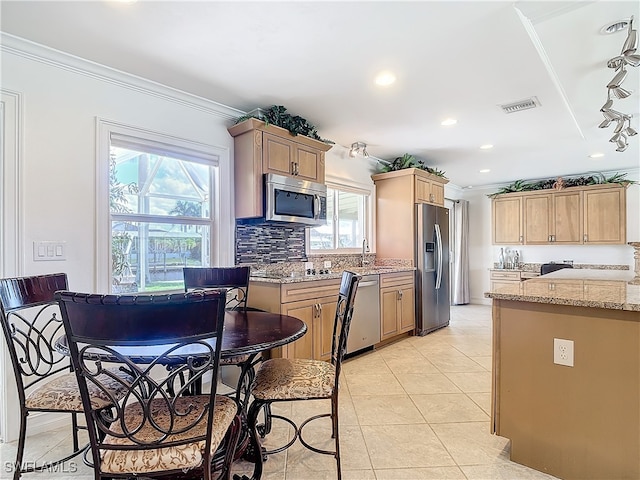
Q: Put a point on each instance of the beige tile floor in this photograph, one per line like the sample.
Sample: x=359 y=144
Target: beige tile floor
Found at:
x=417 y=409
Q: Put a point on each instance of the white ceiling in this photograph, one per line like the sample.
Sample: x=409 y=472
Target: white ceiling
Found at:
x=452 y=59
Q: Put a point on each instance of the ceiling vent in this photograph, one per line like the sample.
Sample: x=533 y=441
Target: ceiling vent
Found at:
x=520 y=105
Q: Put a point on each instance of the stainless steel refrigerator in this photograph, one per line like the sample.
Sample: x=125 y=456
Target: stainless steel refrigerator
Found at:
x=432 y=261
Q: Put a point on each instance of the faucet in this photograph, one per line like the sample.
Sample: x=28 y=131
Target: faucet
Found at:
x=365 y=249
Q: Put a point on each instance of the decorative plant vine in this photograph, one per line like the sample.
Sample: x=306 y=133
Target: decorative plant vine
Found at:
x=560 y=183
x=276 y=115
x=409 y=161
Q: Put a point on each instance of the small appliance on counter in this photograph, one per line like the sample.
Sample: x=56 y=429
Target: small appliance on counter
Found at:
x=552 y=267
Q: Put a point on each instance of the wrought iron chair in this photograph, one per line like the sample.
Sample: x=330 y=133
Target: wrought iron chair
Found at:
x=151 y=433
x=236 y=281
x=31 y=324
x=284 y=379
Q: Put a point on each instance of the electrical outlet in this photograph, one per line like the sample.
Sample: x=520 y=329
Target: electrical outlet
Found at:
x=563 y=352
x=327 y=264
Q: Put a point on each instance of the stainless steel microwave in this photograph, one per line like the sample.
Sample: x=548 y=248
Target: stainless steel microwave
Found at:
x=288 y=199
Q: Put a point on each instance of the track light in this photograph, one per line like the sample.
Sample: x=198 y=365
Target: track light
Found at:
x=358 y=148
x=629 y=57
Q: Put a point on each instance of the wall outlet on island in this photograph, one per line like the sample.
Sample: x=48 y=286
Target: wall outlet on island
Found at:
x=327 y=264
x=563 y=352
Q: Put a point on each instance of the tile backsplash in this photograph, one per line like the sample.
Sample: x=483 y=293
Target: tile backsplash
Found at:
x=269 y=243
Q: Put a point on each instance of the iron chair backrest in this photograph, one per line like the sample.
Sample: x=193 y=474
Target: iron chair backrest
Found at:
x=31 y=323
x=235 y=279
x=187 y=330
x=342 y=323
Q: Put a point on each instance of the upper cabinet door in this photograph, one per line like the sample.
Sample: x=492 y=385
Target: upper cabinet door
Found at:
x=605 y=216
x=507 y=220
x=309 y=163
x=428 y=191
x=567 y=218
x=538 y=219
x=277 y=155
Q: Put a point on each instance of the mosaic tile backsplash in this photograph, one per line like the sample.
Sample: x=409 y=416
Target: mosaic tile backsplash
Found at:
x=268 y=243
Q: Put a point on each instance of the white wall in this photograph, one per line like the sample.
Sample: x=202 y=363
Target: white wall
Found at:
x=482 y=254
x=62 y=96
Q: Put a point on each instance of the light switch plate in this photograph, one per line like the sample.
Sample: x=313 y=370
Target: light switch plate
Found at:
x=47 y=250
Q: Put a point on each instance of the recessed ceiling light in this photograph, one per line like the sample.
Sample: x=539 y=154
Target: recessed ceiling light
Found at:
x=449 y=121
x=596 y=155
x=469 y=186
x=485 y=170
x=486 y=147
x=385 y=78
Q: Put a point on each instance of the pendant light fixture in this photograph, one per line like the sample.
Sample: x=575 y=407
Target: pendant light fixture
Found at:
x=627 y=56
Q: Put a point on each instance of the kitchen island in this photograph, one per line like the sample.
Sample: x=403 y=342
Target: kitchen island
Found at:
x=573 y=422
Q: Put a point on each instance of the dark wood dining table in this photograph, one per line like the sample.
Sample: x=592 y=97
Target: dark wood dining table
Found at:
x=245 y=333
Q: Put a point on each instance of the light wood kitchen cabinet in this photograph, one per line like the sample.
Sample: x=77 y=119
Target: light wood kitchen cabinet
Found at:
x=504 y=277
x=593 y=214
x=319 y=315
x=429 y=191
x=260 y=149
x=396 y=195
x=507 y=221
x=314 y=302
x=552 y=218
x=605 y=216
x=397 y=304
x=286 y=157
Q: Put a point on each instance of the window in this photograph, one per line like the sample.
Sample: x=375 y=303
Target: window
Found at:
x=161 y=204
x=347 y=221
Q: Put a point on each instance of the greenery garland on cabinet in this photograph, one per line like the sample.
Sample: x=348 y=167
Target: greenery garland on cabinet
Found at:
x=276 y=115
x=561 y=183
x=409 y=161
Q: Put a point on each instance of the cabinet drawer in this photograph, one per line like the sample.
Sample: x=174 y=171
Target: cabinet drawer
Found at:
x=309 y=290
x=396 y=279
x=500 y=275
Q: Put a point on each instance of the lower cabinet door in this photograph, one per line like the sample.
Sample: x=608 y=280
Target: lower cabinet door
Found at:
x=318 y=314
x=407 y=318
x=305 y=311
x=388 y=312
x=323 y=328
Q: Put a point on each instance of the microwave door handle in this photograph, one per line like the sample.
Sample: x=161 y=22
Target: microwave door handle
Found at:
x=316 y=207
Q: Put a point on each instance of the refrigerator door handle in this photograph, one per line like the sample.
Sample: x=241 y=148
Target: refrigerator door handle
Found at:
x=439 y=247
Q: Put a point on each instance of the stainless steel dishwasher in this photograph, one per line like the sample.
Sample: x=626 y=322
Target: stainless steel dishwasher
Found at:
x=365 y=323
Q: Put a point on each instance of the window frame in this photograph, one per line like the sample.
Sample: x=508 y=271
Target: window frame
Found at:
x=368 y=191
x=221 y=237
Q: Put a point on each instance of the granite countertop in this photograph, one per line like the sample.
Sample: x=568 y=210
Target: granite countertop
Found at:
x=296 y=277
x=611 y=289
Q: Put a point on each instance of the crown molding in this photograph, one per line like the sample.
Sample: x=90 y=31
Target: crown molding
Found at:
x=11 y=44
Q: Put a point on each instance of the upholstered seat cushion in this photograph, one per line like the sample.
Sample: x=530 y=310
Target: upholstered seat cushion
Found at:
x=289 y=379
x=182 y=457
x=62 y=392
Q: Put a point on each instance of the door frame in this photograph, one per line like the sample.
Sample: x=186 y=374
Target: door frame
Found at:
x=11 y=263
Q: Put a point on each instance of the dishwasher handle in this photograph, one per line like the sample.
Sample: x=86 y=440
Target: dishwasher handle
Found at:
x=367 y=284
